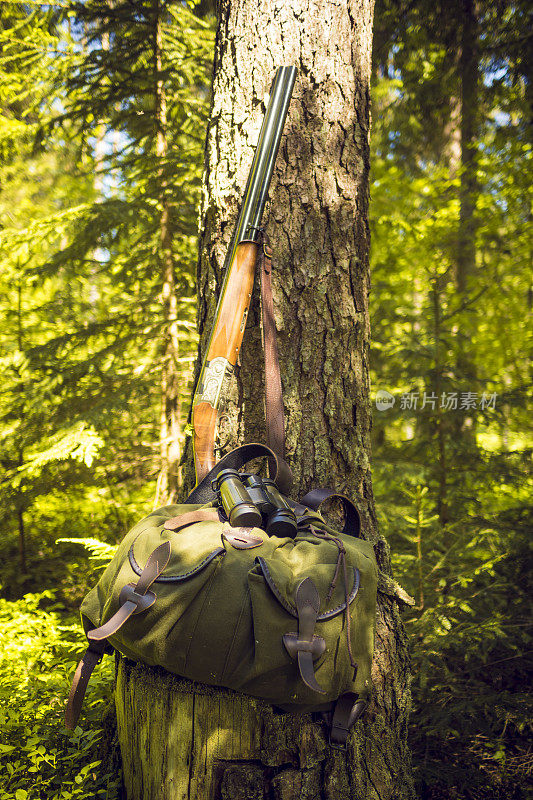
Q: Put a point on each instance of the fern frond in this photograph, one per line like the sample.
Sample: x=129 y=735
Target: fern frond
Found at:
x=99 y=551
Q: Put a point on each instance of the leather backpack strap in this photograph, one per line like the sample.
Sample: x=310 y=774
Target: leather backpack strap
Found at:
x=134 y=599
x=92 y=656
x=352 y=521
x=190 y=518
x=305 y=646
x=274 y=412
x=280 y=471
x=347 y=711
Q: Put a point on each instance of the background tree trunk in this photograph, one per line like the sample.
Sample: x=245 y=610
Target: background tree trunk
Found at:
x=468 y=191
x=206 y=742
x=170 y=422
x=466 y=323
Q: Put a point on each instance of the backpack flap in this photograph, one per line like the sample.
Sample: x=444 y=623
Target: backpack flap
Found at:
x=284 y=620
x=194 y=553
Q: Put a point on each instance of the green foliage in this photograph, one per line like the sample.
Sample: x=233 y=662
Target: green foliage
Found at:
x=40 y=759
x=102 y=120
x=100 y=552
x=86 y=192
x=453 y=486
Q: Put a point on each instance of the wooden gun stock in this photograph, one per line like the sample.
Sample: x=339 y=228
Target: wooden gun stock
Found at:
x=224 y=346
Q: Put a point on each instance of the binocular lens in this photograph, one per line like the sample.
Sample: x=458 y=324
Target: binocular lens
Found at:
x=245 y=505
x=236 y=503
x=282 y=522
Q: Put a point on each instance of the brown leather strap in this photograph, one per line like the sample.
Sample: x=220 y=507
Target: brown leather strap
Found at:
x=306 y=646
x=115 y=623
x=280 y=471
x=348 y=709
x=183 y=520
x=155 y=565
x=90 y=659
x=274 y=413
x=138 y=599
x=352 y=520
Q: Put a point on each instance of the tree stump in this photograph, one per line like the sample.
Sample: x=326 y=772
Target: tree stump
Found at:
x=188 y=741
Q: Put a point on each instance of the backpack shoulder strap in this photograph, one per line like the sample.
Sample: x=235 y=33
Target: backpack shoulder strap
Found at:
x=92 y=656
x=347 y=711
x=280 y=471
x=315 y=498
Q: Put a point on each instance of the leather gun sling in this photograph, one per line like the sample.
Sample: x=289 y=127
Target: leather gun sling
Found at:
x=274 y=413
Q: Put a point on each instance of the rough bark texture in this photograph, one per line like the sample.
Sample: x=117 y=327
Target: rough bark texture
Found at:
x=184 y=740
x=317 y=221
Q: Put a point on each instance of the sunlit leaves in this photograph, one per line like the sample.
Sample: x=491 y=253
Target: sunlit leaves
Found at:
x=101 y=552
x=80 y=296
x=38 y=756
x=79 y=442
x=470 y=629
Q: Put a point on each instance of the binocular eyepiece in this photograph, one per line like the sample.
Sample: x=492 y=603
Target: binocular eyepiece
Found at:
x=252 y=502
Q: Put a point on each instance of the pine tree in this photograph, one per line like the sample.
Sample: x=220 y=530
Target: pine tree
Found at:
x=88 y=276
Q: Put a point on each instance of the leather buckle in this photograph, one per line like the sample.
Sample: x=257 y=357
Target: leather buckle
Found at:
x=142 y=601
x=305 y=646
x=342 y=742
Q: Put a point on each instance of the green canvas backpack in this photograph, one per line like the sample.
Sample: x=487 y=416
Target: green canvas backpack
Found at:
x=286 y=619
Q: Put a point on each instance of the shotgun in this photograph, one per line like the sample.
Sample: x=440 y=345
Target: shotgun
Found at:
x=232 y=309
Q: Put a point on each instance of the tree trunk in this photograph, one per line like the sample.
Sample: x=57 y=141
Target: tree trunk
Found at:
x=170 y=423
x=464 y=435
x=441 y=460
x=210 y=743
x=469 y=76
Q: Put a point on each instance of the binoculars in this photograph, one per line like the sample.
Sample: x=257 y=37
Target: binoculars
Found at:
x=252 y=502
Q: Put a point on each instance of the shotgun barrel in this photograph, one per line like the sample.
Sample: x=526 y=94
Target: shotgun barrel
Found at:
x=232 y=309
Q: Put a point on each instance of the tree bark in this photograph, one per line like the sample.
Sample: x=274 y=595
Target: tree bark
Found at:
x=464 y=434
x=205 y=742
x=469 y=76
x=170 y=422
